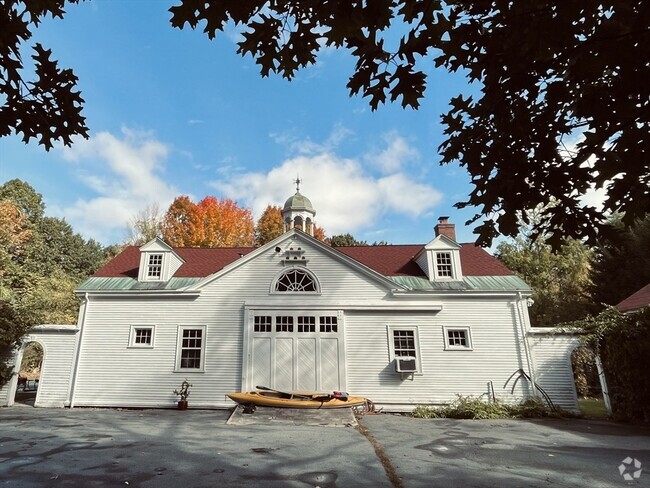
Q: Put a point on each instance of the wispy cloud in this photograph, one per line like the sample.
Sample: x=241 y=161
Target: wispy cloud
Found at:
x=396 y=154
x=124 y=172
x=296 y=144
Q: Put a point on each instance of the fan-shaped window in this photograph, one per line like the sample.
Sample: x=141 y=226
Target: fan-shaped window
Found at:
x=296 y=280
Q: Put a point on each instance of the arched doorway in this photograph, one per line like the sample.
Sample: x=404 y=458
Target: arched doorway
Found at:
x=29 y=373
x=587 y=382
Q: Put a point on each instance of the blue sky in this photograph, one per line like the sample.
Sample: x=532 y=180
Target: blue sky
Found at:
x=172 y=113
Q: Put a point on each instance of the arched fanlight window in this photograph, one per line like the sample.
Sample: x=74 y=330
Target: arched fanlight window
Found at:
x=296 y=280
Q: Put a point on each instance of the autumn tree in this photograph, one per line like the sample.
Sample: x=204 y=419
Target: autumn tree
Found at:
x=563 y=103
x=210 y=223
x=269 y=225
x=224 y=224
x=181 y=223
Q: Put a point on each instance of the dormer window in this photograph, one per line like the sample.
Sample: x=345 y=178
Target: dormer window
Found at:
x=154 y=267
x=444 y=267
x=158 y=261
x=440 y=258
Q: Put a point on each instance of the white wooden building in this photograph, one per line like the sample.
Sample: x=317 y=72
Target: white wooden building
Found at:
x=403 y=325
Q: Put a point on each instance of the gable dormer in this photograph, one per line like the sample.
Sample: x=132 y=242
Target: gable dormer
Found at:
x=440 y=258
x=158 y=261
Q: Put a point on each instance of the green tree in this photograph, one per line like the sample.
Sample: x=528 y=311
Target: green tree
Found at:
x=622 y=341
x=48 y=108
x=560 y=278
x=42 y=261
x=549 y=73
x=623 y=263
x=342 y=240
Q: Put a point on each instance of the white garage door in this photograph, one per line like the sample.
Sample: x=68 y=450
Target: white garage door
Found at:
x=300 y=351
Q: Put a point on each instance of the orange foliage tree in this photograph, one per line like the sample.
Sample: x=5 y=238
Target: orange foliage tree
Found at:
x=210 y=223
x=269 y=225
x=15 y=232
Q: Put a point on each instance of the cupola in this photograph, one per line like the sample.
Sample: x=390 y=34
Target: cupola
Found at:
x=298 y=212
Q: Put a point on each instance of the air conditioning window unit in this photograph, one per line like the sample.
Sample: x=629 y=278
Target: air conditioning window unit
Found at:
x=405 y=364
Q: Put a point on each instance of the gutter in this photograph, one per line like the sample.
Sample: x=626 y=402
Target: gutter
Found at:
x=77 y=351
x=523 y=326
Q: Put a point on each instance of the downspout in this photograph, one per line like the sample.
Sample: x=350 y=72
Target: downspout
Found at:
x=77 y=352
x=522 y=326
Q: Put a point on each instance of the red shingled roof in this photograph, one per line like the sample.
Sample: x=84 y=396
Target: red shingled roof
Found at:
x=391 y=260
x=636 y=301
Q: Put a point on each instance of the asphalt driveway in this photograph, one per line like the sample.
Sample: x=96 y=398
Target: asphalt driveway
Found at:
x=196 y=448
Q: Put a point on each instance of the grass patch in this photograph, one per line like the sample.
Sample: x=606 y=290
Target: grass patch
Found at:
x=592 y=407
x=468 y=407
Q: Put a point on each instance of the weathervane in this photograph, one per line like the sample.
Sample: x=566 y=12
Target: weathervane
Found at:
x=297 y=181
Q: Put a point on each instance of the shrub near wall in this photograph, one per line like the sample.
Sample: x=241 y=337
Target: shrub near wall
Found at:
x=625 y=352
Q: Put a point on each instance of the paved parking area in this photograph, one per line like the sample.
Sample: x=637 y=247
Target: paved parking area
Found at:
x=197 y=448
x=512 y=453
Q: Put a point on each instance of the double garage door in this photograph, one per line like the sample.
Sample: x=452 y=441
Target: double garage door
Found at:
x=300 y=351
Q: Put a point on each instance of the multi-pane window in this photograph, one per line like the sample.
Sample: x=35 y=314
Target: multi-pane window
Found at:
x=443 y=265
x=284 y=323
x=404 y=343
x=191 y=348
x=306 y=324
x=141 y=336
x=296 y=280
x=262 y=323
x=154 y=266
x=328 y=324
x=457 y=338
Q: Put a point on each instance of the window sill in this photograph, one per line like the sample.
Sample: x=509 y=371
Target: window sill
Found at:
x=186 y=371
x=136 y=346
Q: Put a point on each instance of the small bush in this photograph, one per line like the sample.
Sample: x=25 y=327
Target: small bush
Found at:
x=468 y=407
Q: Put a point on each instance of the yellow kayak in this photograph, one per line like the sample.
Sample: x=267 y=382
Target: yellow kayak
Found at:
x=298 y=399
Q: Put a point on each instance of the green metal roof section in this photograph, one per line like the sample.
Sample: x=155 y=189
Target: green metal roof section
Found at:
x=122 y=284
x=477 y=283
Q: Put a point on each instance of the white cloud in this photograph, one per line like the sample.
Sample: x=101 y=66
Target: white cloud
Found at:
x=396 y=154
x=125 y=175
x=345 y=196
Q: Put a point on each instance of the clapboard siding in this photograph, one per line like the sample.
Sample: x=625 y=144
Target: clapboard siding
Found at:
x=111 y=373
x=58 y=359
x=552 y=356
x=445 y=373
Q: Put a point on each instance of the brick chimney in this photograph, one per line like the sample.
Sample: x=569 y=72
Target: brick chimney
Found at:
x=445 y=228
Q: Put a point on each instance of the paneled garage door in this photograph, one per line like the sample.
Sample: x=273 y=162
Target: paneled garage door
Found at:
x=296 y=350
